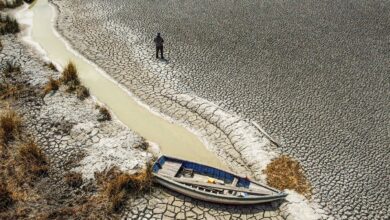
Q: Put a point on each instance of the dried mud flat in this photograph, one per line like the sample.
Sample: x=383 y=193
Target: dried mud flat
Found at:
x=314 y=74
x=66 y=145
x=76 y=145
x=73 y=140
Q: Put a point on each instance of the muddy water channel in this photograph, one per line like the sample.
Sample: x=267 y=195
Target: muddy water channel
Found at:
x=173 y=139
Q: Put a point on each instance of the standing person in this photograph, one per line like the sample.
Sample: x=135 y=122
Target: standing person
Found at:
x=159 y=45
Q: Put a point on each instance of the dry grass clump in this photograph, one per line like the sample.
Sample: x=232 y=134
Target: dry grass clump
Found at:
x=74 y=179
x=117 y=185
x=10 y=69
x=10 y=124
x=10 y=4
x=9 y=26
x=82 y=92
x=51 y=85
x=143 y=145
x=6 y=199
x=33 y=160
x=71 y=79
x=51 y=66
x=70 y=75
x=8 y=91
x=104 y=114
x=61 y=213
x=286 y=173
x=13 y=4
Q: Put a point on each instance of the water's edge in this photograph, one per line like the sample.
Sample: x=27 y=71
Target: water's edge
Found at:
x=173 y=139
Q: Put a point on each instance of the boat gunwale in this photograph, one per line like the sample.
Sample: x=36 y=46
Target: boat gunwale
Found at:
x=278 y=192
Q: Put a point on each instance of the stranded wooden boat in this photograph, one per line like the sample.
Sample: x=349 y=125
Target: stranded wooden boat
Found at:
x=211 y=184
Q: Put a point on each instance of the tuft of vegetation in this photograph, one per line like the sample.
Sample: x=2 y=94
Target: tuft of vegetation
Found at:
x=82 y=92
x=51 y=66
x=60 y=213
x=6 y=199
x=117 y=185
x=52 y=85
x=8 y=26
x=8 y=91
x=10 y=124
x=10 y=4
x=143 y=145
x=33 y=160
x=286 y=173
x=11 y=69
x=13 y=4
x=70 y=75
x=104 y=114
x=73 y=179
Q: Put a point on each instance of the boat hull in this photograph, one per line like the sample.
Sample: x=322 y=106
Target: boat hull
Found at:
x=209 y=197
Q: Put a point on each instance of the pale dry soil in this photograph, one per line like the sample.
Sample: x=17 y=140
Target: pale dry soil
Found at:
x=72 y=138
x=313 y=73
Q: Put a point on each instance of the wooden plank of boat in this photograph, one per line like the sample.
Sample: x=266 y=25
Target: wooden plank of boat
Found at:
x=235 y=181
x=221 y=187
x=170 y=169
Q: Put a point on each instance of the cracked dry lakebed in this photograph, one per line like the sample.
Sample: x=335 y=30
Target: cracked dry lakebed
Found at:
x=243 y=83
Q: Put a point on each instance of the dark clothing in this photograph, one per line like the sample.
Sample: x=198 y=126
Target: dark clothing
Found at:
x=161 y=49
x=158 y=41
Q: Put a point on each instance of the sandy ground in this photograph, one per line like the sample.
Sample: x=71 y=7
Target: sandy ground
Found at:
x=313 y=74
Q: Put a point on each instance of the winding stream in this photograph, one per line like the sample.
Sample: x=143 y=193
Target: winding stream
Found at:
x=173 y=139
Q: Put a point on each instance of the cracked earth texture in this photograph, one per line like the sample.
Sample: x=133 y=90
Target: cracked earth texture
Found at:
x=313 y=73
x=68 y=131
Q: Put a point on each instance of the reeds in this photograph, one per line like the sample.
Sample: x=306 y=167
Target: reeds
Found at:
x=286 y=173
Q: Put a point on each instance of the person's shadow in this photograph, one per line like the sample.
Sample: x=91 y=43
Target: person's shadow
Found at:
x=164 y=60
